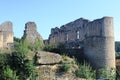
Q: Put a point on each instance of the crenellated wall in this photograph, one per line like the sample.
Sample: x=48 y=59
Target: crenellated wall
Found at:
x=97 y=38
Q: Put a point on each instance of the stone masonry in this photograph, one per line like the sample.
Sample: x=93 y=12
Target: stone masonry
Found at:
x=30 y=32
x=6 y=35
x=96 y=37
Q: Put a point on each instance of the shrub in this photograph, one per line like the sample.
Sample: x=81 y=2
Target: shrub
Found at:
x=20 y=63
x=64 y=57
x=3 y=60
x=107 y=73
x=36 y=46
x=9 y=74
x=85 y=71
x=17 y=66
x=49 y=47
x=64 y=68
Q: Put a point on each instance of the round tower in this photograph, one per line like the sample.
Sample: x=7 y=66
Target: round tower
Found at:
x=99 y=43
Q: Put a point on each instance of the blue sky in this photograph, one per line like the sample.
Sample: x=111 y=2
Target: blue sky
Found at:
x=48 y=14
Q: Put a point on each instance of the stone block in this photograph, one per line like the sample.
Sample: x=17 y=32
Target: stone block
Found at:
x=48 y=58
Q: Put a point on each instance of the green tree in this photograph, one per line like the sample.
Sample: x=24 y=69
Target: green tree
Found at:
x=50 y=47
x=23 y=47
x=17 y=66
x=117 y=46
x=29 y=68
x=37 y=45
x=9 y=74
x=20 y=63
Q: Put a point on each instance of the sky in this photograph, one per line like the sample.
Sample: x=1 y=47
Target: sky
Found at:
x=48 y=14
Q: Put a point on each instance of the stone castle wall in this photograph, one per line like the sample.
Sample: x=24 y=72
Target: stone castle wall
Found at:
x=6 y=35
x=96 y=37
x=69 y=32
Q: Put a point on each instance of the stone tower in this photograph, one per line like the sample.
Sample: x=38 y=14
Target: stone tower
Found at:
x=6 y=35
x=30 y=32
x=99 y=43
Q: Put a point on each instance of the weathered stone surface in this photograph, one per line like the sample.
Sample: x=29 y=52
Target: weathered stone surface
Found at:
x=6 y=35
x=30 y=32
x=48 y=58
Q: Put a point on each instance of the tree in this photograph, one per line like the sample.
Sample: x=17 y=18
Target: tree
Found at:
x=9 y=74
x=20 y=63
x=117 y=46
x=36 y=46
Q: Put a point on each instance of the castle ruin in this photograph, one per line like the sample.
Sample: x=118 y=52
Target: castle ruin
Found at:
x=6 y=35
x=30 y=32
x=96 y=37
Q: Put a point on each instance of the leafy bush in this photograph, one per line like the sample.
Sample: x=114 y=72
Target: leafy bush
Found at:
x=3 y=60
x=23 y=67
x=64 y=57
x=64 y=68
x=6 y=73
x=17 y=66
x=36 y=46
x=56 y=48
x=49 y=47
x=85 y=71
x=107 y=73
x=9 y=74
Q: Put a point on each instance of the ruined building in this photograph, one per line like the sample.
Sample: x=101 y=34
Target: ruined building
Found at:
x=30 y=32
x=96 y=37
x=6 y=35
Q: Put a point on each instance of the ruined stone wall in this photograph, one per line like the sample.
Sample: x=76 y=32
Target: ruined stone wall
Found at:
x=30 y=32
x=97 y=38
x=69 y=32
x=6 y=35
